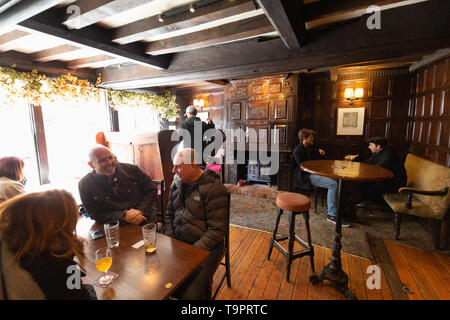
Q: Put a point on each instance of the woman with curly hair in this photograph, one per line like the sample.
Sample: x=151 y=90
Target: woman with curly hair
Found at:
x=38 y=245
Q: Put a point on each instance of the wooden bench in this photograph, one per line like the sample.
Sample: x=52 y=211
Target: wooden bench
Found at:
x=425 y=195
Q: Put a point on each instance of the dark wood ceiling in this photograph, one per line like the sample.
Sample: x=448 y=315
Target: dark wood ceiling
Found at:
x=149 y=43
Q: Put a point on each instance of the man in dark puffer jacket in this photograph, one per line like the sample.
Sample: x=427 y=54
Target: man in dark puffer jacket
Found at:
x=196 y=214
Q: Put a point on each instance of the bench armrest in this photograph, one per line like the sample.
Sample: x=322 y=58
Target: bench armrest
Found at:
x=411 y=191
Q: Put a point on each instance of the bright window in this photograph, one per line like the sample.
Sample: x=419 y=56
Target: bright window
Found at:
x=70 y=130
x=16 y=138
x=138 y=120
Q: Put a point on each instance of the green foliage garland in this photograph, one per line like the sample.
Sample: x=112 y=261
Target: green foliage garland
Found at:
x=37 y=88
x=165 y=104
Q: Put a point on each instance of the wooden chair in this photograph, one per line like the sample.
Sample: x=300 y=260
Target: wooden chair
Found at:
x=160 y=213
x=225 y=255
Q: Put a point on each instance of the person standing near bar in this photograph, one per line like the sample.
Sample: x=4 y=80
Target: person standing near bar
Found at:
x=189 y=124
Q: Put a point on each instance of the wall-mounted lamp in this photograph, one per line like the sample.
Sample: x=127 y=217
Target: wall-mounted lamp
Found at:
x=352 y=96
x=160 y=18
x=191 y=8
x=199 y=103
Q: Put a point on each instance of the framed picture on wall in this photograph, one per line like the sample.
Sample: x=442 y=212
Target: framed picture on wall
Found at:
x=350 y=121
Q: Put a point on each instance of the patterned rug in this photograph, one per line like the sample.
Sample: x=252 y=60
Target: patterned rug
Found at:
x=260 y=214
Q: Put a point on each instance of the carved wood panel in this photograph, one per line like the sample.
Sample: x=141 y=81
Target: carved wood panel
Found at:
x=280 y=109
x=258 y=135
x=280 y=131
x=258 y=111
x=265 y=102
x=234 y=110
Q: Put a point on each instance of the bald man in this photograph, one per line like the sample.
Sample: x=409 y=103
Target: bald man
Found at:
x=197 y=214
x=116 y=191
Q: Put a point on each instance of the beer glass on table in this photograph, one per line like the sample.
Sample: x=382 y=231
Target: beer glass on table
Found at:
x=103 y=261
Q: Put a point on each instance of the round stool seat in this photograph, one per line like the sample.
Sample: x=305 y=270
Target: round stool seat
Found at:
x=294 y=202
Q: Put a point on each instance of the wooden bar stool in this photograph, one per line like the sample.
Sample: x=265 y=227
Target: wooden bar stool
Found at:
x=296 y=204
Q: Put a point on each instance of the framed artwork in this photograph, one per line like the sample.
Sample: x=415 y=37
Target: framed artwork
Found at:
x=350 y=121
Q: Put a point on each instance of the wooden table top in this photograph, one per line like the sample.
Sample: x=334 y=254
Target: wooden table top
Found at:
x=142 y=276
x=346 y=170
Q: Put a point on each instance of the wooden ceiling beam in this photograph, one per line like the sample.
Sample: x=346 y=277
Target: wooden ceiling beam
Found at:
x=136 y=77
x=24 y=10
x=326 y=8
x=242 y=29
x=343 y=44
x=9 y=40
x=93 y=11
x=92 y=62
x=54 y=53
x=22 y=61
x=151 y=26
x=93 y=37
x=288 y=18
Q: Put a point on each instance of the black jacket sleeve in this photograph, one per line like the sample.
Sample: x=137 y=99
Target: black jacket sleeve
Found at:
x=93 y=209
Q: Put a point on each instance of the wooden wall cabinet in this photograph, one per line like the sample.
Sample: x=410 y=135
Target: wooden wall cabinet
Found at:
x=267 y=107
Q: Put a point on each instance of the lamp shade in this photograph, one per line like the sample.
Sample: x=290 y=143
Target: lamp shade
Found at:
x=348 y=93
x=359 y=92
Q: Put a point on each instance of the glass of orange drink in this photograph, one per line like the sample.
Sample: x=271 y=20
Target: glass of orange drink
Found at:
x=103 y=261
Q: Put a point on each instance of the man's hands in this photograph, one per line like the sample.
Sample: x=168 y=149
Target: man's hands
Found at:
x=322 y=153
x=134 y=216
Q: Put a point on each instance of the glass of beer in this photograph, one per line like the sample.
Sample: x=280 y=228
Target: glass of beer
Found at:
x=103 y=261
x=149 y=235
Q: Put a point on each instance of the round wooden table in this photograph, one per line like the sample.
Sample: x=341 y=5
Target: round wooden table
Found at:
x=348 y=171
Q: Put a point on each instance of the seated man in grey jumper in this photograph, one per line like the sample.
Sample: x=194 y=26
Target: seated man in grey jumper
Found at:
x=197 y=214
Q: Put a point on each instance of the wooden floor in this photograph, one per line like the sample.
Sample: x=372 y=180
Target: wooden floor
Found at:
x=254 y=277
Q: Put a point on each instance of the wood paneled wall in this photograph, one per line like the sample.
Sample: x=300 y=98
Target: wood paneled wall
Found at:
x=387 y=100
x=431 y=119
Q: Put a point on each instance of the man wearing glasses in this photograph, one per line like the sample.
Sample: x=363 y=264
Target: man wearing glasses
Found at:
x=116 y=191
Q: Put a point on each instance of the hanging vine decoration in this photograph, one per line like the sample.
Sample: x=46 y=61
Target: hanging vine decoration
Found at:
x=37 y=88
x=165 y=104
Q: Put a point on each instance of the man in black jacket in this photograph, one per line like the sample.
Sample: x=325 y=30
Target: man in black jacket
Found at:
x=196 y=138
x=197 y=214
x=116 y=191
x=306 y=151
x=383 y=156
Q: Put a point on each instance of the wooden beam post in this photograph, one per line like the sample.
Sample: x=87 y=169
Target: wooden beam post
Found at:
x=150 y=27
x=288 y=18
x=92 y=37
x=239 y=30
